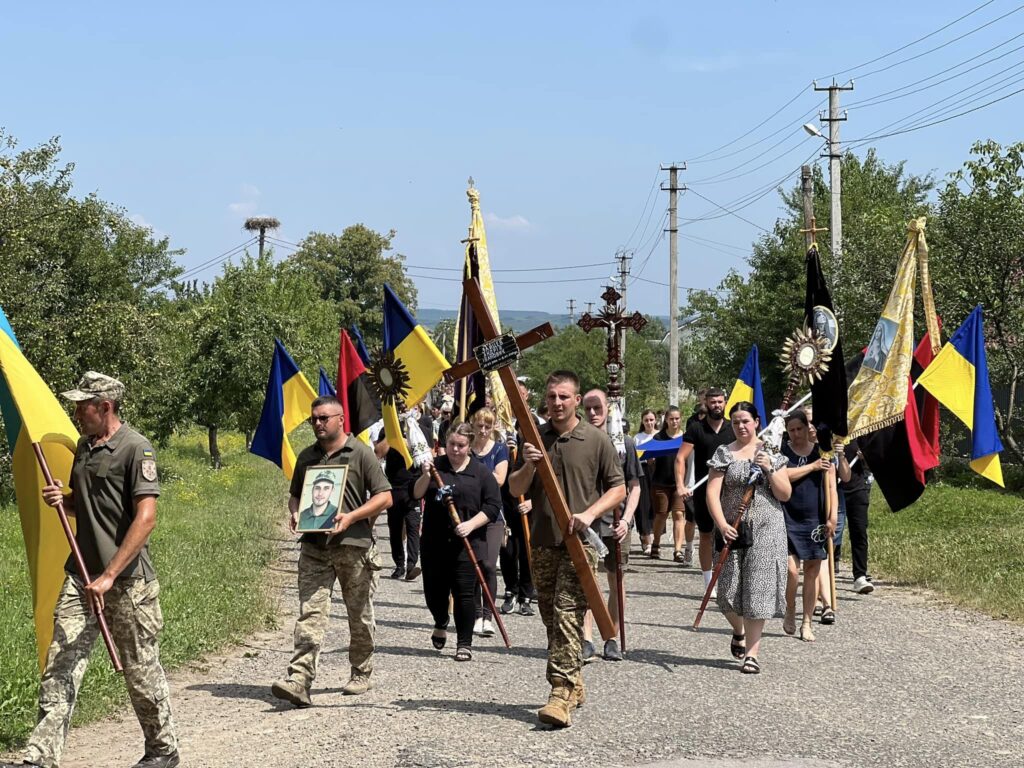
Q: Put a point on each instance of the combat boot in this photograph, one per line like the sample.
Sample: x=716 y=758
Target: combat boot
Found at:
x=357 y=684
x=579 y=694
x=556 y=711
x=291 y=691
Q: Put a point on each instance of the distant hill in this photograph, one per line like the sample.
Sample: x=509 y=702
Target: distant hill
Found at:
x=518 y=319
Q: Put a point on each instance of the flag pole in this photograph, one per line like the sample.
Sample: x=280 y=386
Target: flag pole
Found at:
x=79 y=562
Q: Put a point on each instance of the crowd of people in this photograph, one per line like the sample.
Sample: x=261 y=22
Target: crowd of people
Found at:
x=478 y=505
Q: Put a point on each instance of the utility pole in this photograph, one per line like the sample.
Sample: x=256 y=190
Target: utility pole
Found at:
x=572 y=311
x=261 y=224
x=673 y=189
x=623 y=257
x=807 y=192
x=834 y=174
x=590 y=307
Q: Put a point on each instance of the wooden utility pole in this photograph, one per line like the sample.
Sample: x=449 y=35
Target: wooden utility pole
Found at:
x=261 y=224
x=673 y=189
x=807 y=193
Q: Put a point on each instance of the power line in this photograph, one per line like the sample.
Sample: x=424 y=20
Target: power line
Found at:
x=710 y=247
x=192 y=271
x=907 y=45
x=598 y=279
x=878 y=98
x=872 y=139
x=650 y=194
x=720 y=180
x=940 y=47
x=731 y=213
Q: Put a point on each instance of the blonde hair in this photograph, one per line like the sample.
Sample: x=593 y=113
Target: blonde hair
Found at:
x=485 y=416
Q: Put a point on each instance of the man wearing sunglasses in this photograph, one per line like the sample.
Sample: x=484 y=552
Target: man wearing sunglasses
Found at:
x=347 y=555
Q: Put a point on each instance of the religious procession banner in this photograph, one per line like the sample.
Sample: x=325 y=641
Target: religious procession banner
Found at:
x=878 y=396
x=477 y=264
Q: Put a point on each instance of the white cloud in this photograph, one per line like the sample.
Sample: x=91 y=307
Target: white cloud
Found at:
x=246 y=206
x=139 y=220
x=515 y=222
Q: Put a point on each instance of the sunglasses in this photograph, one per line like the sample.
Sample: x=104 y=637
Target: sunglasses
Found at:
x=324 y=419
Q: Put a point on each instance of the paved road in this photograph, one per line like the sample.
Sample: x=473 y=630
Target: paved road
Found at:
x=900 y=680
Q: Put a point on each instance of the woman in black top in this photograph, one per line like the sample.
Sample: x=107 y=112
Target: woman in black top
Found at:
x=447 y=570
x=664 y=498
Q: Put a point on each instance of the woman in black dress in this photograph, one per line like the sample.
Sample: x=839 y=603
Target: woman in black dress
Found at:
x=645 y=511
x=447 y=570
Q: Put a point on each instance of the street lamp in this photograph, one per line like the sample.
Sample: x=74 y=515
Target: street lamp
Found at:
x=813 y=130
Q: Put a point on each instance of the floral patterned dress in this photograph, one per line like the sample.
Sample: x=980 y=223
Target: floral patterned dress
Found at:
x=752 y=583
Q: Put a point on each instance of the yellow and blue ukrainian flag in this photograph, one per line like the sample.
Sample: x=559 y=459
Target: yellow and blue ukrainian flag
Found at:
x=287 y=405
x=748 y=386
x=422 y=360
x=326 y=387
x=32 y=414
x=958 y=378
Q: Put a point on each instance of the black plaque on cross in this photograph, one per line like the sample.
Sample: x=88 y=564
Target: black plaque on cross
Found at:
x=552 y=488
x=613 y=321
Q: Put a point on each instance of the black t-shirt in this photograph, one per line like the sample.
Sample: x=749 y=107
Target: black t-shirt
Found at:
x=398 y=476
x=705 y=442
x=664 y=466
x=858 y=471
x=474 y=490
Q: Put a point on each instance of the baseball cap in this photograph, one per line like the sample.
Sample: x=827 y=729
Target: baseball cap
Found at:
x=96 y=386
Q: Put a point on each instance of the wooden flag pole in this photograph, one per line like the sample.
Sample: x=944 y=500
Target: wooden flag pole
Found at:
x=79 y=561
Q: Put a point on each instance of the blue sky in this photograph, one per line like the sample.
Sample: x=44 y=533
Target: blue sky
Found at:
x=193 y=116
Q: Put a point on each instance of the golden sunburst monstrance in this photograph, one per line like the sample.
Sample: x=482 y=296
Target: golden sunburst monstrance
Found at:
x=806 y=355
x=389 y=378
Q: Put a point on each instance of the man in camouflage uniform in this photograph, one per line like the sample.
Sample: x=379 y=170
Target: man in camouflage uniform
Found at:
x=590 y=474
x=113 y=496
x=345 y=553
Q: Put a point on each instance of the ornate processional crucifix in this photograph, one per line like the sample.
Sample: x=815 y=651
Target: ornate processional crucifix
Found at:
x=611 y=319
x=497 y=353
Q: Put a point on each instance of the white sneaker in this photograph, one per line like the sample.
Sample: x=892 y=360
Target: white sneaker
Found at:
x=478 y=627
x=488 y=629
x=862 y=586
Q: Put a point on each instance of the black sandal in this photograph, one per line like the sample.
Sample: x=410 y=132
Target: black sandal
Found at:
x=828 y=616
x=463 y=653
x=439 y=640
x=750 y=666
x=738 y=647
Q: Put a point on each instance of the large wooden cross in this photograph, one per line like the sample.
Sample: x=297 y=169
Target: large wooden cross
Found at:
x=611 y=318
x=498 y=352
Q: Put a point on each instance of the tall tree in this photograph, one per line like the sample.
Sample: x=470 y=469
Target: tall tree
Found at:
x=350 y=269
x=764 y=306
x=978 y=256
x=234 y=328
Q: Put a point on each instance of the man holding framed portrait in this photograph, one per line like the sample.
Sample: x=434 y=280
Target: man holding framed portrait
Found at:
x=337 y=472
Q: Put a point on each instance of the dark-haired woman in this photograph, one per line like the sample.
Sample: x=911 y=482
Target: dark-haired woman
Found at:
x=752 y=583
x=447 y=570
x=663 y=490
x=807 y=524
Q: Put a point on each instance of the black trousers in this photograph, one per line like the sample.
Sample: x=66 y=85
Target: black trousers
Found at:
x=515 y=560
x=404 y=514
x=489 y=565
x=447 y=571
x=857 y=525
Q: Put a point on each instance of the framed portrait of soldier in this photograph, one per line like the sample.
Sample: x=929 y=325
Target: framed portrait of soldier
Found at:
x=322 y=490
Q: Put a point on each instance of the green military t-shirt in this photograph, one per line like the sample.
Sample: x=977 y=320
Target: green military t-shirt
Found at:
x=106 y=479
x=365 y=479
x=586 y=465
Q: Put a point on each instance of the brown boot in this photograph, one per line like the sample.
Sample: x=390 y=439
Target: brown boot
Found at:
x=579 y=694
x=556 y=711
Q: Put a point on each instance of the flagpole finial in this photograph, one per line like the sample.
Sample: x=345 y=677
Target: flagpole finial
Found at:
x=813 y=229
x=474 y=196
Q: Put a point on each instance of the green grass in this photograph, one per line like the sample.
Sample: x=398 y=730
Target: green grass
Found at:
x=213 y=540
x=965 y=543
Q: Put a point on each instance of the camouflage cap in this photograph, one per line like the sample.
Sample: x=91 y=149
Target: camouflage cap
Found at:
x=95 y=386
x=324 y=477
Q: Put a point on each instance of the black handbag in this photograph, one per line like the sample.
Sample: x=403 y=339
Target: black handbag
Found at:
x=744 y=538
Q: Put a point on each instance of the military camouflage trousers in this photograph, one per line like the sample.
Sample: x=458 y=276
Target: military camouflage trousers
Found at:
x=356 y=569
x=562 y=606
x=132 y=610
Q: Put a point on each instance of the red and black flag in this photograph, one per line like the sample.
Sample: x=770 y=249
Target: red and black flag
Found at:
x=471 y=390
x=829 y=394
x=362 y=407
x=900 y=455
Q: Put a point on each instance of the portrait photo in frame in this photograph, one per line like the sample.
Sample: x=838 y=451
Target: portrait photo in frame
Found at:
x=323 y=487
